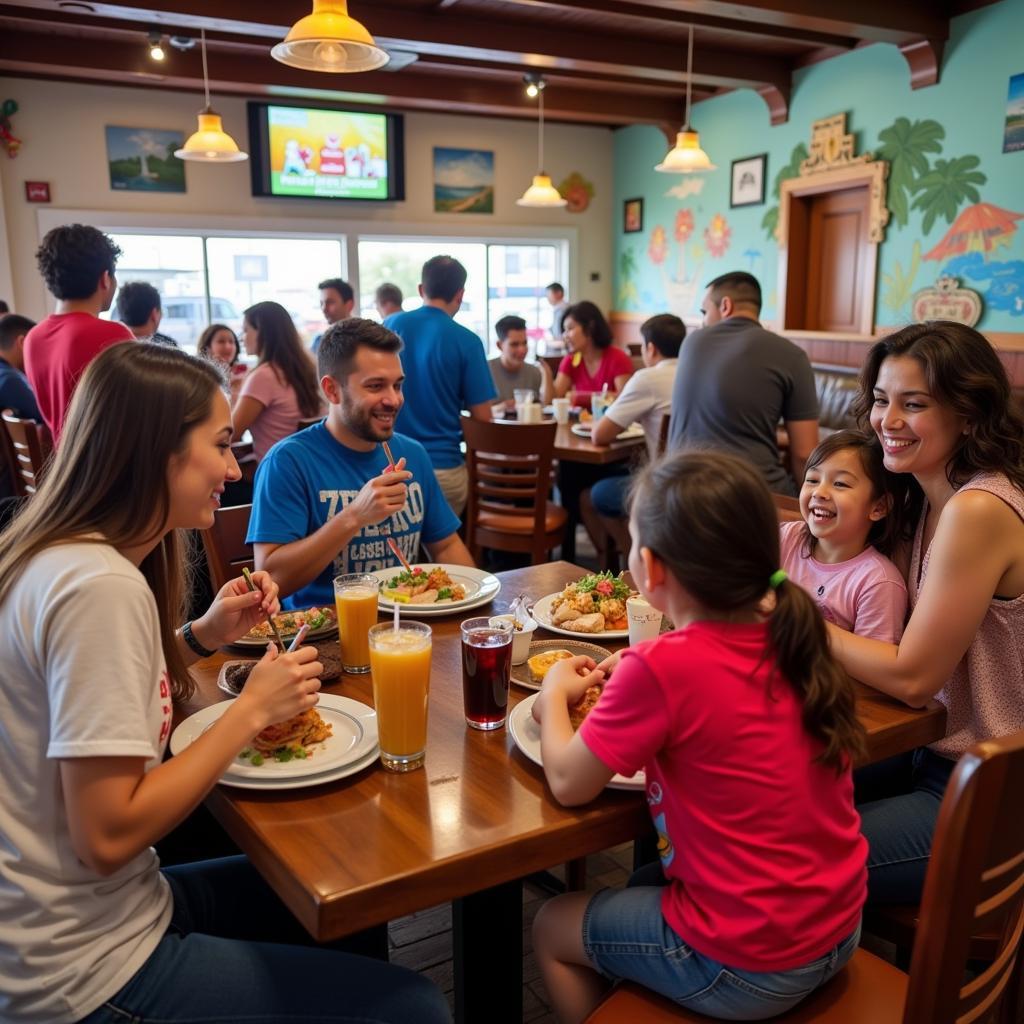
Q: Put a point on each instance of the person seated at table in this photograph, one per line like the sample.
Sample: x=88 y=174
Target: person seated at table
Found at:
x=139 y=308
x=593 y=364
x=746 y=729
x=327 y=501
x=646 y=399
x=282 y=389
x=937 y=396
x=510 y=370
x=93 y=658
x=837 y=553
x=220 y=345
x=15 y=391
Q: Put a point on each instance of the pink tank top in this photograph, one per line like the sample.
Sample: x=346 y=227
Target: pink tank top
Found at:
x=984 y=697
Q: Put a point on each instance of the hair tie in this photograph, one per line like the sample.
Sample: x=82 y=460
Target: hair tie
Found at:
x=776 y=578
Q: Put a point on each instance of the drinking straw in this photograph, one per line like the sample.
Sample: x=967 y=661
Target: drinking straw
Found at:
x=396 y=617
x=387 y=452
x=299 y=637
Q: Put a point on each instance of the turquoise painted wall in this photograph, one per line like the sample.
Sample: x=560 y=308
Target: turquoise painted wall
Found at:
x=948 y=143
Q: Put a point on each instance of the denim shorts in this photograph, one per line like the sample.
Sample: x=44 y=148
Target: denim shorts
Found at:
x=626 y=937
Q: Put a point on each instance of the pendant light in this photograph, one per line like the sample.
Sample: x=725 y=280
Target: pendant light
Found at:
x=210 y=143
x=329 y=40
x=541 y=194
x=686 y=156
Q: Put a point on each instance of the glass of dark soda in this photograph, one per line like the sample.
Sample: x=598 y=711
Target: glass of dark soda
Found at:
x=486 y=670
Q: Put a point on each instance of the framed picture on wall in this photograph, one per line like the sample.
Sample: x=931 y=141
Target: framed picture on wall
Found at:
x=632 y=215
x=748 y=177
x=143 y=160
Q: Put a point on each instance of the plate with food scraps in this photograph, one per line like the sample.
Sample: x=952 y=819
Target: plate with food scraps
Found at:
x=353 y=736
x=525 y=732
x=525 y=675
x=322 y=621
x=602 y=587
x=417 y=598
x=631 y=433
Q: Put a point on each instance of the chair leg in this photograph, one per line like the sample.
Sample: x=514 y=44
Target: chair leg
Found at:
x=576 y=875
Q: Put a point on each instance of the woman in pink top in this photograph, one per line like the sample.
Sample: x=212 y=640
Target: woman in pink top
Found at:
x=745 y=728
x=593 y=364
x=283 y=388
x=937 y=396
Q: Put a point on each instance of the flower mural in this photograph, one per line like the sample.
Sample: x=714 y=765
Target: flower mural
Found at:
x=684 y=225
x=577 y=192
x=717 y=236
x=657 y=247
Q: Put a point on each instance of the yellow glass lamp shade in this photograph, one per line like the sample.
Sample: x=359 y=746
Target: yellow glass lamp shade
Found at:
x=686 y=156
x=329 y=40
x=541 y=193
x=211 y=143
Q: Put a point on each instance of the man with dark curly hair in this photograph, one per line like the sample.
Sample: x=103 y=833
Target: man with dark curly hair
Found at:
x=77 y=262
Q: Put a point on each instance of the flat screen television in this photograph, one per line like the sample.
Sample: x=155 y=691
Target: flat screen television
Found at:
x=325 y=153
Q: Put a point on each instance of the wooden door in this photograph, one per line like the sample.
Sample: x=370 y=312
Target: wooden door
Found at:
x=838 y=259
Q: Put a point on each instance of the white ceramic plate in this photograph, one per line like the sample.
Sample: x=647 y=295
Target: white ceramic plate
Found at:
x=353 y=738
x=481 y=587
x=630 y=433
x=306 y=780
x=542 y=614
x=521 y=673
x=526 y=736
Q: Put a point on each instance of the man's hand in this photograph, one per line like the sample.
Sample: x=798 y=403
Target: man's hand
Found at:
x=381 y=497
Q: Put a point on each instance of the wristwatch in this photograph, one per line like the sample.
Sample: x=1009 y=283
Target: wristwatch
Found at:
x=190 y=638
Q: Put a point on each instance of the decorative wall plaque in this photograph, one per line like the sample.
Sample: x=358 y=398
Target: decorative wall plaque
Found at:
x=947 y=301
x=831 y=146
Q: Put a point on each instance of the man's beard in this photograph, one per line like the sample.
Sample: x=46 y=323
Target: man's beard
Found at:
x=361 y=422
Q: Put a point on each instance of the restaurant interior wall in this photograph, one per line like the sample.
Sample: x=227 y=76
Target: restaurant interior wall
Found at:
x=62 y=128
x=954 y=131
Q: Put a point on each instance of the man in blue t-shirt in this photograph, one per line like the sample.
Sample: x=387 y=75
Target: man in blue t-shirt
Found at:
x=447 y=369
x=326 y=500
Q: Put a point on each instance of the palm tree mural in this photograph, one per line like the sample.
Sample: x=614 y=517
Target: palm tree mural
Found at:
x=906 y=146
x=948 y=184
x=627 y=272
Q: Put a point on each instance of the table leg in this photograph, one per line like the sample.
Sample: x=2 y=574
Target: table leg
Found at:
x=487 y=940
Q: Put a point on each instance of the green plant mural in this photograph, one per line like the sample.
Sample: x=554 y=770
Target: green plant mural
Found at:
x=899 y=285
x=770 y=221
x=945 y=187
x=905 y=146
x=628 y=295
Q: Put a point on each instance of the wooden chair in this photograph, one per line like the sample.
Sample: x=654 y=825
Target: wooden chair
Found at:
x=666 y=419
x=788 y=508
x=509 y=467
x=31 y=445
x=225 y=546
x=975 y=879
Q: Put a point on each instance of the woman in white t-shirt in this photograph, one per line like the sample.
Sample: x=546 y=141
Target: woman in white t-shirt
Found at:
x=91 y=660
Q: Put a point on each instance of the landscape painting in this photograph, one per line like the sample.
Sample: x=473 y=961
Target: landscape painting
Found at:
x=143 y=160
x=1013 y=135
x=463 y=180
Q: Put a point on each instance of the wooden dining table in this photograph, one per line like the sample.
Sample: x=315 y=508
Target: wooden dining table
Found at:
x=570 y=447
x=468 y=827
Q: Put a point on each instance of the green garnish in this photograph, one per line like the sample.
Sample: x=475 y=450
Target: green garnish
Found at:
x=444 y=593
x=316 y=621
x=615 y=586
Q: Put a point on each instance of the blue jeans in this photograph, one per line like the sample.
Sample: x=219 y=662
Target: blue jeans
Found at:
x=626 y=937
x=224 y=959
x=899 y=801
x=608 y=496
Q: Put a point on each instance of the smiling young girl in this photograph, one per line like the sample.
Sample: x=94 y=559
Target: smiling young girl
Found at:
x=92 y=655
x=746 y=730
x=834 y=554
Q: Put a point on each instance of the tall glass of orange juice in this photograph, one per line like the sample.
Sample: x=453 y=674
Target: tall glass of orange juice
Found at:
x=355 y=597
x=400 y=661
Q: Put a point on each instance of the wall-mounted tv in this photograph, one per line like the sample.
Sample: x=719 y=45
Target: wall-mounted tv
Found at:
x=325 y=153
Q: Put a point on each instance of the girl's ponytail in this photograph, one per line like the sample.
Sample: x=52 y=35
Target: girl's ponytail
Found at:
x=800 y=642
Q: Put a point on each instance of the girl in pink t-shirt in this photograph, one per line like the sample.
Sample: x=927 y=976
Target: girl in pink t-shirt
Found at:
x=836 y=553
x=593 y=364
x=745 y=728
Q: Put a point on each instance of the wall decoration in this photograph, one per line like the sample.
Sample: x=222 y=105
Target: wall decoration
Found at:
x=948 y=184
x=947 y=301
x=899 y=285
x=717 y=236
x=577 y=191
x=632 y=216
x=770 y=220
x=1006 y=291
x=657 y=246
x=748 y=181
x=463 y=180
x=143 y=160
x=906 y=146
x=628 y=295
x=37 y=191
x=980 y=228
x=1013 y=133
x=692 y=185
x=7 y=110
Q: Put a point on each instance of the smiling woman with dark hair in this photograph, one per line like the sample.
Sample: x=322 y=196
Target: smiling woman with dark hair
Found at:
x=593 y=364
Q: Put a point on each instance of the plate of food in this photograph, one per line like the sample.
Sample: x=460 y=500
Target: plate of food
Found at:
x=584 y=429
x=433 y=589
x=526 y=735
x=545 y=653
x=594 y=605
x=322 y=622
x=337 y=733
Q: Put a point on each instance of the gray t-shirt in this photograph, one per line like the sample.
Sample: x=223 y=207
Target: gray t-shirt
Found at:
x=527 y=376
x=734 y=383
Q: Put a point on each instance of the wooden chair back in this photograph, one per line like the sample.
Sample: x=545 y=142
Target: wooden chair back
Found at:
x=509 y=467
x=225 y=546
x=666 y=419
x=30 y=446
x=975 y=882
x=310 y=422
x=788 y=508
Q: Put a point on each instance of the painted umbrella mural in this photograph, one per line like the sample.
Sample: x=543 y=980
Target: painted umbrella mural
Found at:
x=980 y=228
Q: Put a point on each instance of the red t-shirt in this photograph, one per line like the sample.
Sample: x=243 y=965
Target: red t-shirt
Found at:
x=57 y=351
x=614 y=363
x=761 y=844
